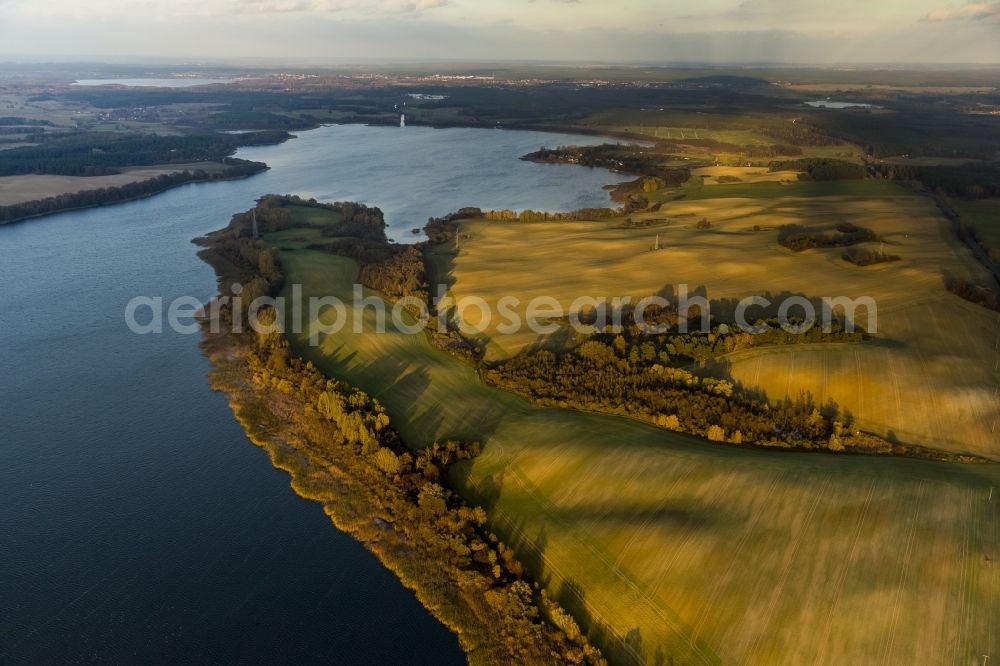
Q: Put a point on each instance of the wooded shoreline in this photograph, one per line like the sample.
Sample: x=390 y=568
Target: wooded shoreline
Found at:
x=159 y=185
x=397 y=502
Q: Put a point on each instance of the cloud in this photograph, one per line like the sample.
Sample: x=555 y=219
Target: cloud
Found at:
x=843 y=31
x=155 y=10
x=971 y=11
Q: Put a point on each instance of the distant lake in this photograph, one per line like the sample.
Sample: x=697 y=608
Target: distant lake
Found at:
x=419 y=172
x=138 y=523
x=827 y=104
x=152 y=83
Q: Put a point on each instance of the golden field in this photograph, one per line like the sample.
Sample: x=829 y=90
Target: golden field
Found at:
x=18 y=189
x=929 y=375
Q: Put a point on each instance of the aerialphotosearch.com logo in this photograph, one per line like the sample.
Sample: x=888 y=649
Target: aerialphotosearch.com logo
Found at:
x=542 y=315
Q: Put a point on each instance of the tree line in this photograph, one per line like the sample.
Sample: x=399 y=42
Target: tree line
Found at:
x=595 y=377
x=974 y=293
x=865 y=257
x=917 y=128
x=642 y=348
x=623 y=158
x=528 y=215
x=971 y=181
x=598 y=377
x=821 y=168
x=102 y=153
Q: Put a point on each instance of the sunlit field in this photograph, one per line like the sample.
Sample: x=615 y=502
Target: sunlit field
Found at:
x=921 y=379
x=675 y=548
x=16 y=189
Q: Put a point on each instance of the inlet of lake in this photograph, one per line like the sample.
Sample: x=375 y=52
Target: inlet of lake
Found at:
x=138 y=523
x=827 y=104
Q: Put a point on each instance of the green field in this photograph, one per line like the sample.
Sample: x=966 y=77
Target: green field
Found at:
x=782 y=184
x=770 y=190
x=688 y=551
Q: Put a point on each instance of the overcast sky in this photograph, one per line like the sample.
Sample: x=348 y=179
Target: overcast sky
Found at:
x=803 y=31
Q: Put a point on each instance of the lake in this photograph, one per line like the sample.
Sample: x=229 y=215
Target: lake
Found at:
x=139 y=525
x=827 y=104
x=414 y=173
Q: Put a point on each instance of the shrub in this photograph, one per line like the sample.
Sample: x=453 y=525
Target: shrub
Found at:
x=387 y=461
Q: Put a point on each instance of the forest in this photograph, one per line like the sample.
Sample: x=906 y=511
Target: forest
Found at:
x=238 y=257
x=798 y=134
x=641 y=375
x=818 y=168
x=626 y=159
x=915 y=127
x=796 y=237
x=595 y=377
x=672 y=347
x=104 y=153
x=972 y=181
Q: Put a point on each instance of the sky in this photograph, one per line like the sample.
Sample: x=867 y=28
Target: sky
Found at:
x=594 y=31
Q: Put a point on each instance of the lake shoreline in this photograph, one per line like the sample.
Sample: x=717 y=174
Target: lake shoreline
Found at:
x=272 y=421
x=138 y=197
x=611 y=134
x=331 y=486
x=479 y=608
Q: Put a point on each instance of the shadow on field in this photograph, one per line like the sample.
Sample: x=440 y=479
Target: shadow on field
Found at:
x=564 y=338
x=440 y=262
x=659 y=513
x=400 y=385
x=628 y=649
x=723 y=310
x=804 y=403
x=396 y=373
